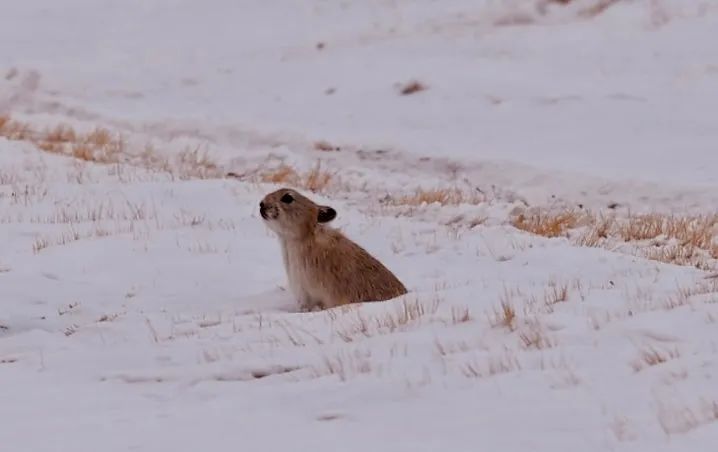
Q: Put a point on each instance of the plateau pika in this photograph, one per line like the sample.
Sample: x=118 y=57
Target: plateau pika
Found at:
x=324 y=268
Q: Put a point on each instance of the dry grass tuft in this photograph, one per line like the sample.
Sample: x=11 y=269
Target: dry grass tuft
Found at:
x=195 y=163
x=699 y=231
x=641 y=227
x=283 y=174
x=60 y=134
x=679 y=255
x=692 y=231
x=596 y=233
x=317 y=179
x=99 y=145
x=683 y=295
x=72 y=235
x=345 y=365
x=460 y=314
x=445 y=349
x=314 y=180
x=556 y=294
x=408 y=312
x=442 y=196
x=651 y=356
x=682 y=418
x=14 y=130
x=359 y=325
x=546 y=224
x=40 y=244
x=494 y=365
x=535 y=338
x=505 y=316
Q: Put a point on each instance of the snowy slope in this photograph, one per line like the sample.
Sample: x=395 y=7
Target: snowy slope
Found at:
x=170 y=332
x=616 y=95
x=144 y=311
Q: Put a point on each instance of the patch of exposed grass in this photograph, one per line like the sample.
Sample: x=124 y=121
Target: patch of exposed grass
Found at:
x=690 y=240
x=442 y=196
x=505 y=315
x=547 y=224
x=698 y=230
x=316 y=179
x=103 y=146
x=98 y=145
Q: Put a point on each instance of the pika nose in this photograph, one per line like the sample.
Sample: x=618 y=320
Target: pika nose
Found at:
x=262 y=210
x=261 y=205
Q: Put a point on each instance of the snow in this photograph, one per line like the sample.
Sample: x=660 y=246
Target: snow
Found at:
x=147 y=312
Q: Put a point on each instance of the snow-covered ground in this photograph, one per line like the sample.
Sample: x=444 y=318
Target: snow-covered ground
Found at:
x=144 y=311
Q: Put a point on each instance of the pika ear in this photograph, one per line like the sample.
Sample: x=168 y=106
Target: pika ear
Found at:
x=326 y=214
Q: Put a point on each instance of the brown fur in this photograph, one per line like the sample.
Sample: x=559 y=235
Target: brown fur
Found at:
x=324 y=268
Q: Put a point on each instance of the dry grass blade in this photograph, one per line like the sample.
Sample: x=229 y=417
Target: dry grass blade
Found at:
x=557 y=294
x=535 y=338
x=505 y=316
x=460 y=314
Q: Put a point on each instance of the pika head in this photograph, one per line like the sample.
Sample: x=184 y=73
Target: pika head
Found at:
x=292 y=215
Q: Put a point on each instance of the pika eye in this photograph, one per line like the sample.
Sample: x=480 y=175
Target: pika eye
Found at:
x=287 y=198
